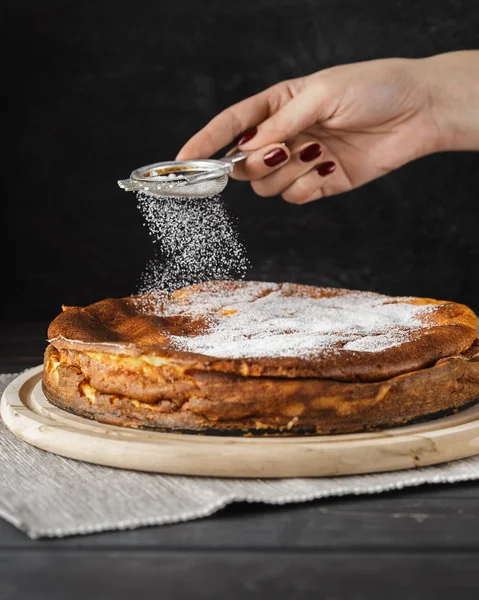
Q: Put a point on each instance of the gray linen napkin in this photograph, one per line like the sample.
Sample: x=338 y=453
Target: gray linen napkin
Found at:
x=46 y=495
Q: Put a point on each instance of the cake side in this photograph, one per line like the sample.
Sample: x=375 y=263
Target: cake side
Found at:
x=212 y=402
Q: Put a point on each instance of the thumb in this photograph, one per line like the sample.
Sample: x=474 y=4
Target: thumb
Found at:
x=302 y=111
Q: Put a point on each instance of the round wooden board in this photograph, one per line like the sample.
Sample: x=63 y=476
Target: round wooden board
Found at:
x=29 y=415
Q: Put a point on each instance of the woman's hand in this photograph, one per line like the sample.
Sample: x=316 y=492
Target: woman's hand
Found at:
x=339 y=128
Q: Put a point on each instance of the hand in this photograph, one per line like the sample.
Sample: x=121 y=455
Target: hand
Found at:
x=337 y=129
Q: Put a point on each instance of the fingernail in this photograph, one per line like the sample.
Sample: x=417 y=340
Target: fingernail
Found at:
x=275 y=157
x=310 y=152
x=326 y=168
x=246 y=136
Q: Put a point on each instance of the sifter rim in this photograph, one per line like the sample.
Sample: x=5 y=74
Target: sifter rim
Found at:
x=219 y=167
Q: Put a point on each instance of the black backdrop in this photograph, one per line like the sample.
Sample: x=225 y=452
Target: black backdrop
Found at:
x=99 y=88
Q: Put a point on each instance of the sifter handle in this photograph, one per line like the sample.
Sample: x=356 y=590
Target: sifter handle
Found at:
x=230 y=160
x=234 y=158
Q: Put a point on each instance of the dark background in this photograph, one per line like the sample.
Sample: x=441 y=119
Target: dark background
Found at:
x=99 y=88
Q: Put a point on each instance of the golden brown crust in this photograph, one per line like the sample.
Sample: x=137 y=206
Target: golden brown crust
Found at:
x=123 y=326
x=204 y=401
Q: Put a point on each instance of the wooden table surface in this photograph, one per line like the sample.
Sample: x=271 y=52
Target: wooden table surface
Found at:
x=417 y=543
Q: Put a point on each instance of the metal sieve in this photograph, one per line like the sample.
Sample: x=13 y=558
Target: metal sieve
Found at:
x=183 y=178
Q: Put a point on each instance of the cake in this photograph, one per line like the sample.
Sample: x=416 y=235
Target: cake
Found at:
x=258 y=358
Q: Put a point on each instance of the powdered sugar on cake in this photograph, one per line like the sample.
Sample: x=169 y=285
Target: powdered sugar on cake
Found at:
x=257 y=319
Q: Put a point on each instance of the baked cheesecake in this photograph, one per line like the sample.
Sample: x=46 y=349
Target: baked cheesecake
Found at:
x=258 y=358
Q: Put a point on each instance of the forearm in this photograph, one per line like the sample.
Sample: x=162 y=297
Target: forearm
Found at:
x=453 y=83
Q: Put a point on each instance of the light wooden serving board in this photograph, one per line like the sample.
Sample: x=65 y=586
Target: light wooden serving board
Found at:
x=30 y=416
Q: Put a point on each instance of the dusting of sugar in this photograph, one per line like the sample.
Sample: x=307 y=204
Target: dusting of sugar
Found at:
x=195 y=240
x=255 y=319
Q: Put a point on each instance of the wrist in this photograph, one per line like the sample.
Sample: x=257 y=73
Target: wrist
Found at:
x=452 y=87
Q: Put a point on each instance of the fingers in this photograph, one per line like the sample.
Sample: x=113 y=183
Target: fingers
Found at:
x=306 y=152
x=261 y=163
x=311 y=172
x=231 y=123
x=325 y=179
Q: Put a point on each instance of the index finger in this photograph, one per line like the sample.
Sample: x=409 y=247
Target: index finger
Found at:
x=226 y=126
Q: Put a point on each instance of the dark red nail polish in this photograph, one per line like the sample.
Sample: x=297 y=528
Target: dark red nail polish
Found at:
x=310 y=152
x=326 y=168
x=246 y=136
x=275 y=157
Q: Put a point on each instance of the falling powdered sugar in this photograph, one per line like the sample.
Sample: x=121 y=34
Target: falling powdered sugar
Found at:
x=195 y=239
x=255 y=319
